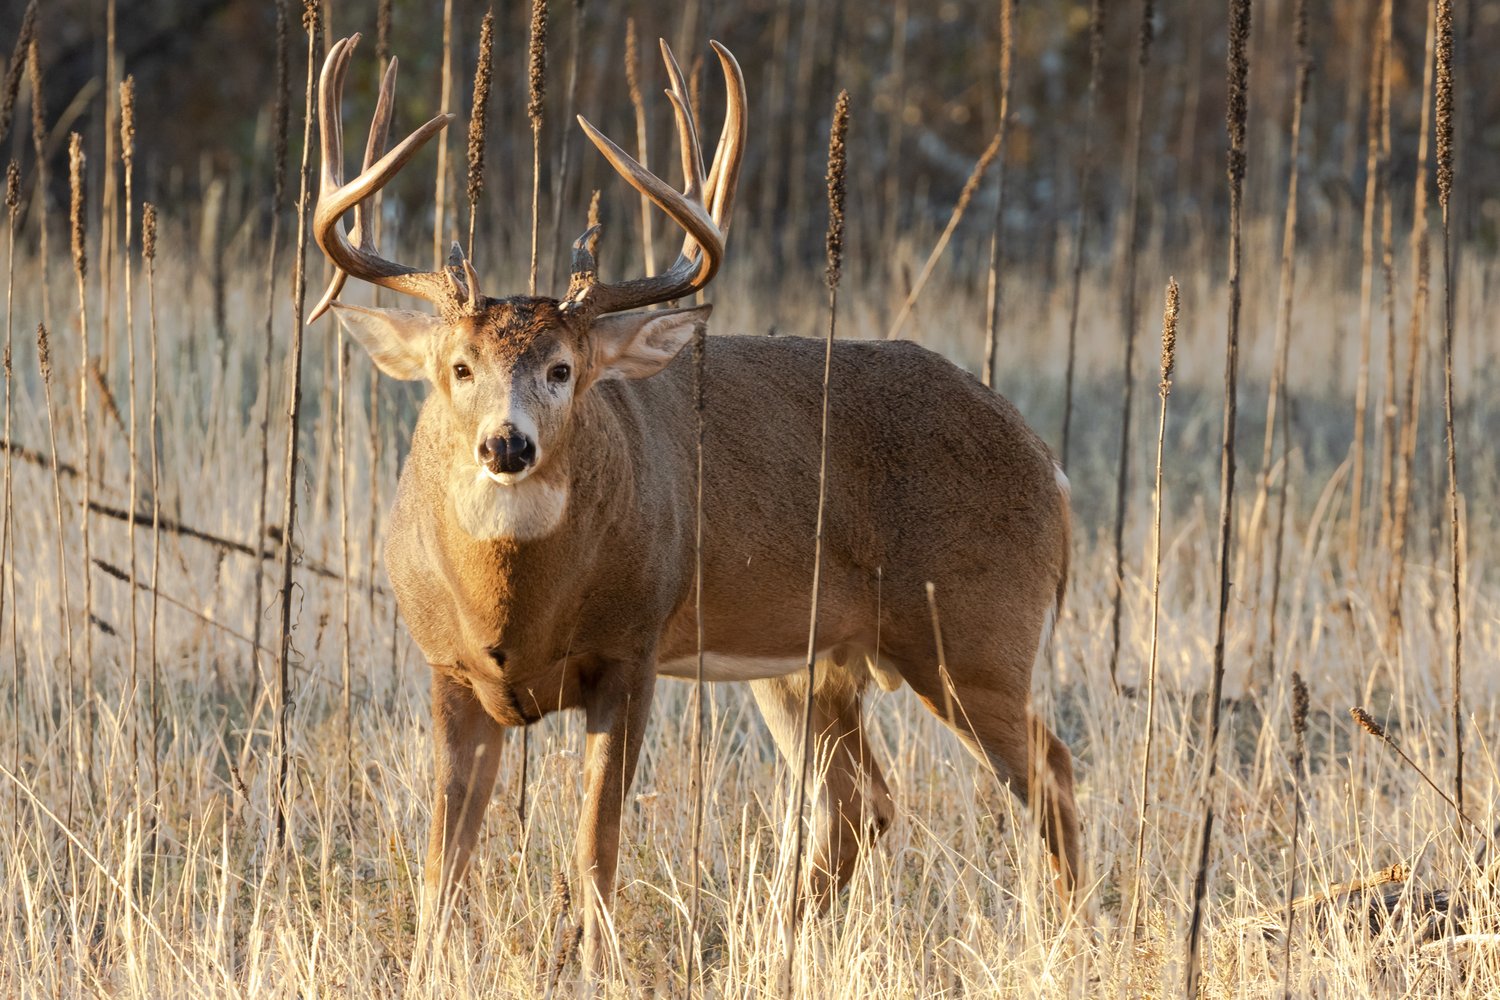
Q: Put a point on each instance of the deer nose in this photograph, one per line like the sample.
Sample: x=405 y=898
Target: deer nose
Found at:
x=509 y=453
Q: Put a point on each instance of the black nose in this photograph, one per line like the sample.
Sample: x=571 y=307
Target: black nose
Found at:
x=510 y=454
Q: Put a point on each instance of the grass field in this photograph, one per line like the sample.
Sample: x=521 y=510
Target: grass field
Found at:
x=139 y=759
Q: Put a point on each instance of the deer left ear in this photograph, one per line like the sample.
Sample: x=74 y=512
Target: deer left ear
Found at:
x=640 y=344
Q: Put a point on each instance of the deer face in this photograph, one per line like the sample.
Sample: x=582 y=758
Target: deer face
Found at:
x=509 y=378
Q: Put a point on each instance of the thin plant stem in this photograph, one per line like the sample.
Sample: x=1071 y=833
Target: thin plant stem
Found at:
x=76 y=213
x=565 y=138
x=280 y=788
x=633 y=81
x=148 y=252
x=1238 y=89
x=1080 y=220
x=127 y=156
x=992 y=310
x=44 y=363
x=837 y=137
x=440 y=203
x=1164 y=389
x=1276 y=394
x=280 y=114
x=1128 y=319
x=1299 y=761
x=1443 y=106
x=8 y=544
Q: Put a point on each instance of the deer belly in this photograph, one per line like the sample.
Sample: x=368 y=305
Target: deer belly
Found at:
x=719 y=667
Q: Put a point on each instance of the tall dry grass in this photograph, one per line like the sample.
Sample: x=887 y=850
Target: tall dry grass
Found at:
x=170 y=883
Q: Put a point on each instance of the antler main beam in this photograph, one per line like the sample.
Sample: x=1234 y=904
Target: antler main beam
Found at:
x=703 y=208
x=361 y=259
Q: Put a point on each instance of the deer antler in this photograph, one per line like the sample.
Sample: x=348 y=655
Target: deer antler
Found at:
x=360 y=259
x=702 y=208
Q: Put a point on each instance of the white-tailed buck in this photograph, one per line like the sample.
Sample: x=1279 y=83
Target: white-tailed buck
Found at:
x=542 y=542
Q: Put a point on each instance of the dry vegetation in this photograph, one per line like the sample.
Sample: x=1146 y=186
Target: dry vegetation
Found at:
x=138 y=848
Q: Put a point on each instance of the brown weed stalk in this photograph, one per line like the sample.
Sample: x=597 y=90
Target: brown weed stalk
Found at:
x=1421 y=265
x=479 y=117
x=1236 y=112
x=127 y=159
x=1080 y=219
x=834 y=244
x=1276 y=403
x=633 y=81
x=992 y=304
x=559 y=183
x=1299 y=761
x=10 y=86
x=7 y=539
x=148 y=253
x=1128 y=321
x=279 y=787
x=440 y=195
x=536 y=99
x=1379 y=102
x=44 y=364
x=1164 y=389
x=279 y=116
x=77 y=211
x=1444 y=114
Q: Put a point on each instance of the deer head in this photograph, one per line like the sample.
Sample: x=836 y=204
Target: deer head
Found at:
x=509 y=372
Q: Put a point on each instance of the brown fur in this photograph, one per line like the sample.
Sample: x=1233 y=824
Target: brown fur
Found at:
x=932 y=478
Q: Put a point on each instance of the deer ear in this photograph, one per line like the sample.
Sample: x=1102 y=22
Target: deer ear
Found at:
x=640 y=344
x=395 y=339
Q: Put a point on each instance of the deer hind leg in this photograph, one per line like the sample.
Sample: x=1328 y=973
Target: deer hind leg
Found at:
x=852 y=806
x=1001 y=730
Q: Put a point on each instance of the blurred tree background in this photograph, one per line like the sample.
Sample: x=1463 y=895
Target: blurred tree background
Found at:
x=923 y=75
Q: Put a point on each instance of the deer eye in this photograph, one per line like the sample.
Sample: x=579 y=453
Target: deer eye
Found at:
x=559 y=373
x=461 y=372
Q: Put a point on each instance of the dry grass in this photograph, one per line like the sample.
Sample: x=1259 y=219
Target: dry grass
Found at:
x=180 y=895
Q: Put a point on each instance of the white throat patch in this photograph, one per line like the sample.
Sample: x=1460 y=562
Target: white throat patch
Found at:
x=523 y=511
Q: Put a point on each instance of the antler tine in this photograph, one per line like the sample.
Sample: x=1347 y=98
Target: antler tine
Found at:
x=336 y=197
x=724 y=175
x=687 y=131
x=705 y=228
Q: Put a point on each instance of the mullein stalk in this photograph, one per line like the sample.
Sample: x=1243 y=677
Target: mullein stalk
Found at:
x=77 y=209
x=1164 y=389
x=1443 y=106
x=127 y=159
x=478 y=118
x=1238 y=91
x=834 y=245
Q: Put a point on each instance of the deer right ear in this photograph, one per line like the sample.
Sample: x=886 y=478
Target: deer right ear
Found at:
x=395 y=339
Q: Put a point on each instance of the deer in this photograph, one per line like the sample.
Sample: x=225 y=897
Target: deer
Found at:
x=541 y=546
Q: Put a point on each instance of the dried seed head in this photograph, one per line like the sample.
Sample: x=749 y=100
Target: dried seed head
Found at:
x=148 y=230
x=837 y=165
x=1443 y=105
x=1237 y=103
x=12 y=83
x=1169 y=338
x=310 y=16
x=538 y=63
x=594 y=209
x=482 y=75
x=1148 y=33
x=43 y=352
x=77 y=204
x=1368 y=724
x=1299 y=717
x=127 y=121
x=13 y=188
x=562 y=898
x=632 y=62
